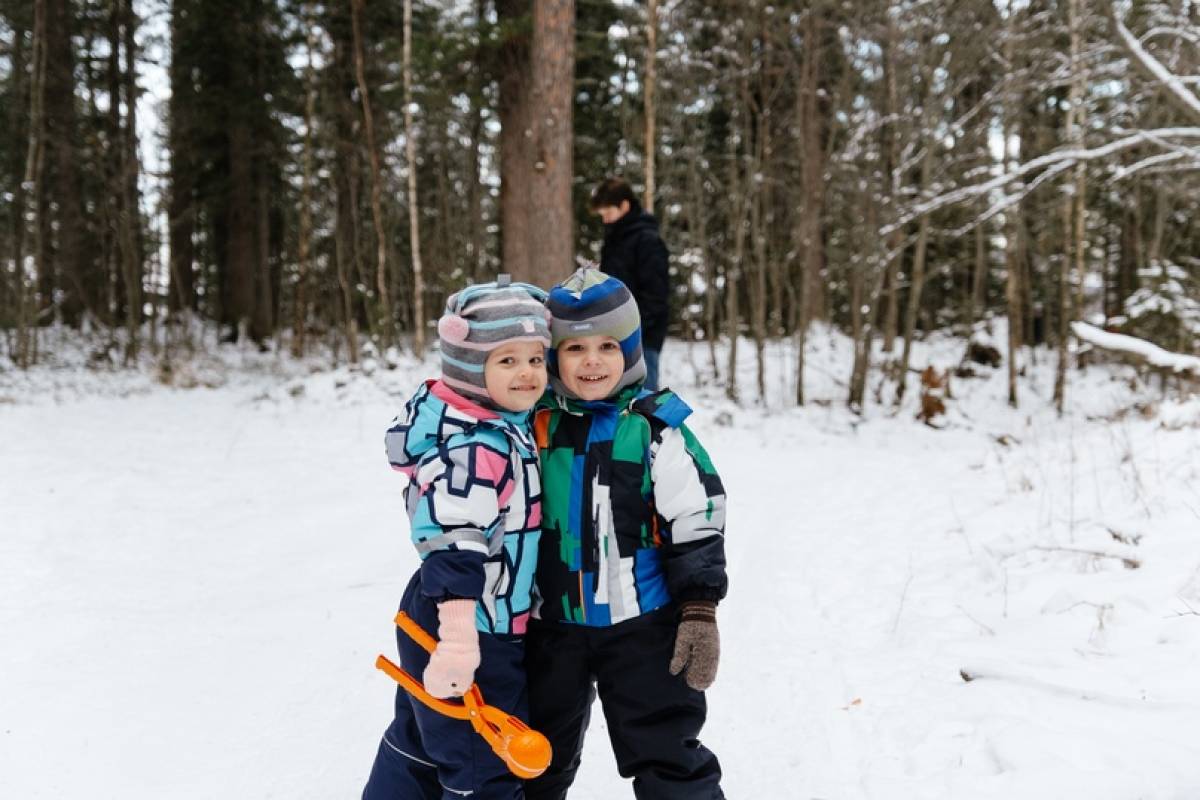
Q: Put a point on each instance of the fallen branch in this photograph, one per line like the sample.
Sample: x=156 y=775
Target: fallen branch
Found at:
x=1138 y=349
x=1128 y=561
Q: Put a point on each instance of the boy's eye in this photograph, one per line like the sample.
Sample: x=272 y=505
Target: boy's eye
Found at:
x=574 y=348
x=610 y=346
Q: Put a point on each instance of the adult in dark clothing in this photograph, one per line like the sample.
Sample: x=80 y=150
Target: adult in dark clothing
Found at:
x=635 y=254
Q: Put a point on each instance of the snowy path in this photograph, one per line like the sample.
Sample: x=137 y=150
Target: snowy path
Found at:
x=193 y=586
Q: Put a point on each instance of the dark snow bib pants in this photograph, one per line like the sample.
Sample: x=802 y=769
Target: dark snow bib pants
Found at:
x=425 y=755
x=654 y=717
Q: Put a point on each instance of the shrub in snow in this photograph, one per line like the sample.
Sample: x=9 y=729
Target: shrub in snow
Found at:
x=1166 y=309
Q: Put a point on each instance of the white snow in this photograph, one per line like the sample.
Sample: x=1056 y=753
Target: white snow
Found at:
x=1148 y=351
x=194 y=585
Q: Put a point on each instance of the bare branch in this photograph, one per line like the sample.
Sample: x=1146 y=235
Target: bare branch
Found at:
x=1154 y=69
x=1058 y=160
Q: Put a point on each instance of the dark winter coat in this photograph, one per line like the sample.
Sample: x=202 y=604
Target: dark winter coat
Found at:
x=636 y=255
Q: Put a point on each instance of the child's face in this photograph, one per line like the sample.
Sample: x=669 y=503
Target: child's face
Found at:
x=515 y=375
x=591 y=366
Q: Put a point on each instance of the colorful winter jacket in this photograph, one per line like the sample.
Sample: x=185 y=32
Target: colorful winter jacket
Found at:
x=634 y=513
x=474 y=502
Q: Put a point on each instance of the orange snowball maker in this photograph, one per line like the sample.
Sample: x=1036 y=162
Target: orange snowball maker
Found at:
x=525 y=751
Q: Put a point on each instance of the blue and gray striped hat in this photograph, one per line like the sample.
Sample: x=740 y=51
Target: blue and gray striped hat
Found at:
x=479 y=319
x=591 y=303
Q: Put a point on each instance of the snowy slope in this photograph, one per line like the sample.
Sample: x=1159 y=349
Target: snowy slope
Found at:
x=193 y=586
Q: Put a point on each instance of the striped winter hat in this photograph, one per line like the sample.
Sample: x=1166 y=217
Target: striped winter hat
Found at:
x=479 y=319
x=591 y=303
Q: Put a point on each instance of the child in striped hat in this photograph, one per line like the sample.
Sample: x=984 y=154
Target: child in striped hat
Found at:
x=474 y=505
x=632 y=560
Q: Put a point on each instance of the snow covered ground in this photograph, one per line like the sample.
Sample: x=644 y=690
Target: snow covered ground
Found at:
x=194 y=584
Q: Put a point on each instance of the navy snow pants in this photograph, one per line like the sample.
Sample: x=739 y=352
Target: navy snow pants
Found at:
x=654 y=717
x=425 y=755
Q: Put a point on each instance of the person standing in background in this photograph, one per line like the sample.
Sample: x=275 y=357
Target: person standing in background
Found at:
x=635 y=254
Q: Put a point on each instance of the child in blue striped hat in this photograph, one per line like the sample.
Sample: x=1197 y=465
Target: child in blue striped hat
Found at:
x=474 y=505
x=632 y=558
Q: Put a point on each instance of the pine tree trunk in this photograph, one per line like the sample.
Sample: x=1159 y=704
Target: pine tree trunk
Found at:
x=383 y=300
x=1074 y=138
x=410 y=153
x=300 y=302
x=73 y=275
x=181 y=209
x=553 y=62
x=130 y=220
x=812 y=167
x=516 y=138
x=649 y=84
x=739 y=205
x=29 y=208
x=347 y=256
x=13 y=304
x=1012 y=287
x=917 y=279
x=978 y=300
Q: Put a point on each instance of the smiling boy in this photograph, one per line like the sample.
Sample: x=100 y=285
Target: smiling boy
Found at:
x=631 y=562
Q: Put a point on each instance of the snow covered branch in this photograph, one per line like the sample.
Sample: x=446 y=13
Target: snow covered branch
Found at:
x=1139 y=349
x=1059 y=160
x=1155 y=70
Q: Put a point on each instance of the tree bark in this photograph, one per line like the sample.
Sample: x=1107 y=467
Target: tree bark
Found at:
x=72 y=273
x=410 y=153
x=812 y=168
x=1072 y=213
x=553 y=62
x=31 y=193
x=516 y=137
x=181 y=210
x=649 y=81
x=300 y=301
x=917 y=279
x=132 y=256
x=386 y=323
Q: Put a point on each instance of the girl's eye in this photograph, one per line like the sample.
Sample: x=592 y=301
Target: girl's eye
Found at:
x=507 y=361
x=536 y=360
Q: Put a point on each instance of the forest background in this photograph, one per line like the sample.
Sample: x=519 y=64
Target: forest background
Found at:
x=316 y=177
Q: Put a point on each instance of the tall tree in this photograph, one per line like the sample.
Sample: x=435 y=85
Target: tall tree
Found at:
x=552 y=61
x=383 y=299
x=410 y=151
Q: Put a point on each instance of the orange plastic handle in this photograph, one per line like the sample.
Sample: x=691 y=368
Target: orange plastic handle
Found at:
x=525 y=751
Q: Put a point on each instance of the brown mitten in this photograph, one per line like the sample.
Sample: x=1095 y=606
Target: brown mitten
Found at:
x=697 y=644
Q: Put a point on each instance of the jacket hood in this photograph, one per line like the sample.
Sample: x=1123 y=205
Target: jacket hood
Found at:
x=433 y=415
x=636 y=221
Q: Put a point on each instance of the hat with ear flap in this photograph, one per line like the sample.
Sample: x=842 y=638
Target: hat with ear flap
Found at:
x=479 y=319
x=591 y=303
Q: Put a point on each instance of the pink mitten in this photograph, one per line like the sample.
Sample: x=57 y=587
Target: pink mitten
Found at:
x=452 y=666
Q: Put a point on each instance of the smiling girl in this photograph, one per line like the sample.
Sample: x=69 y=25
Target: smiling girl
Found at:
x=474 y=504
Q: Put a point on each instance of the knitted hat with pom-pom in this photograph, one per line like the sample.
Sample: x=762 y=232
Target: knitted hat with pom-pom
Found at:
x=479 y=319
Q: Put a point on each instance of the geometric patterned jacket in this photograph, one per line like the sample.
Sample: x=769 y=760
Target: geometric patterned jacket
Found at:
x=474 y=502
x=634 y=512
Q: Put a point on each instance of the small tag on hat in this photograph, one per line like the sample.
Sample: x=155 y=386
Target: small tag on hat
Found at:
x=503 y=279
x=581 y=326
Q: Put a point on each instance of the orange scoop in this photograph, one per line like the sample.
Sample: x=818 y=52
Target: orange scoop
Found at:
x=525 y=751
